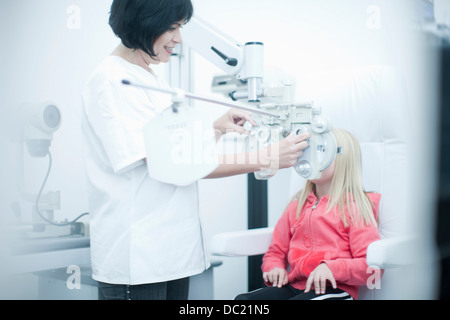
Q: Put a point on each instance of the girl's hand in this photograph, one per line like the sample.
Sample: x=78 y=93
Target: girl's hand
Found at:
x=278 y=277
x=319 y=276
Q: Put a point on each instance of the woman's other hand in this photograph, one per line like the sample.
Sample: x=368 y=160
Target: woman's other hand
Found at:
x=283 y=154
x=233 y=121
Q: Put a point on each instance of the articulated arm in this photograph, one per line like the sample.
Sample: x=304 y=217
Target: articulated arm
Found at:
x=244 y=62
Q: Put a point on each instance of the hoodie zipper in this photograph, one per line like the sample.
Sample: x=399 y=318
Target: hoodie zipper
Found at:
x=310 y=225
x=315 y=205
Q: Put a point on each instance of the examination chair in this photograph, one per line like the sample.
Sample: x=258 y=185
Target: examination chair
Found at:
x=370 y=102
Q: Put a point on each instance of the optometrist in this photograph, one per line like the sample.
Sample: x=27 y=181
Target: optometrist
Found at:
x=146 y=236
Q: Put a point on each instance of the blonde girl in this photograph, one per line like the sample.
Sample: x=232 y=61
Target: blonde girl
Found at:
x=320 y=241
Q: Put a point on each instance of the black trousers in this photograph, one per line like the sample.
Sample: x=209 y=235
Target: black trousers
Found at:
x=170 y=290
x=290 y=293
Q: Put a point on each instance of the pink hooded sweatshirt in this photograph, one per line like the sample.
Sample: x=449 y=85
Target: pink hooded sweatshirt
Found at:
x=318 y=237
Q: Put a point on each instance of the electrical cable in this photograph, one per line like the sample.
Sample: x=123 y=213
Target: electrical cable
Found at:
x=63 y=224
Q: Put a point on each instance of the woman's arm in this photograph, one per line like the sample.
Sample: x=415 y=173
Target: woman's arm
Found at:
x=281 y=155
x=242 y=163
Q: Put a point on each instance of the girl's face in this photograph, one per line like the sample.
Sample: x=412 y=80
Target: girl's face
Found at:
x=165 y=44
x=327 y=175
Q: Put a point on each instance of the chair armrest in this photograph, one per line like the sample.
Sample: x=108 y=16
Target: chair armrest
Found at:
x=392 y=252
x=242 y=243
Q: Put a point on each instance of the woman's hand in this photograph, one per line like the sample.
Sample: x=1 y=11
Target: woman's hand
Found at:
x=233 y=121
x=319 y=277
x=283 y=154
x=278 y=277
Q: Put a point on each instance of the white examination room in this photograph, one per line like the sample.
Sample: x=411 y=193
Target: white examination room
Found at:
x=235 y=91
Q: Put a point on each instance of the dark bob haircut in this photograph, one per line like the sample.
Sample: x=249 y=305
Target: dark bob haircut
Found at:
x=138 y=23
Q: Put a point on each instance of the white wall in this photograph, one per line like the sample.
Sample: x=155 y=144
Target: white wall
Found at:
x=442 y=11
x=53 y=46
x=49 y=49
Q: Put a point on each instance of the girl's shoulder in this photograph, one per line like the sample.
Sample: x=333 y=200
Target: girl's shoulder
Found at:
x=292 y=207
x=374 y=197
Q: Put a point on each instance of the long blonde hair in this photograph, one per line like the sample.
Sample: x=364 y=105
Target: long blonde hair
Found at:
x=346 y=190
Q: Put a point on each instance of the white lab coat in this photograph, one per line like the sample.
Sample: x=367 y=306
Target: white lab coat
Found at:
x=142 y=230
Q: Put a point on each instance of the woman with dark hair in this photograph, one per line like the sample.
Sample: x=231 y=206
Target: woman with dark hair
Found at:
x=149 y=29
x=146 y=236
